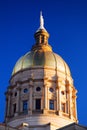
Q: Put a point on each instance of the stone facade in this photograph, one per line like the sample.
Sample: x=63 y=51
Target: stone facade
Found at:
x=52 y=87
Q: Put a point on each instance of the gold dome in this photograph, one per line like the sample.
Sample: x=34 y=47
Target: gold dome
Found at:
x=41 y=57
x=41 y=54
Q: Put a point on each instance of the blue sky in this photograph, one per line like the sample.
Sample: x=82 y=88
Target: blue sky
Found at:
x=65 y=20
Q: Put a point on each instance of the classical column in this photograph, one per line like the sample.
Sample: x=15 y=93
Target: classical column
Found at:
x=59 y=94
x=8 y=103
x=30 y=99
x=74 y=105
x=6 y=109
x=70 y=102
x=45 y=96
x=18 y=100
x=45 y=101
x=57 y=100
x=76 y=109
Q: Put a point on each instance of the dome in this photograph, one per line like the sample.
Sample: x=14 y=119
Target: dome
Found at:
x=41 y=57
x=41 y=54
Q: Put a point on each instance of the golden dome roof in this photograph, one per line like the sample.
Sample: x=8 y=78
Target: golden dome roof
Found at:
x=41 y=58
x=41 y=54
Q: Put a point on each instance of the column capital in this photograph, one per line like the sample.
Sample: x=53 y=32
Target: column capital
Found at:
x=19 y=88
x=8 y=93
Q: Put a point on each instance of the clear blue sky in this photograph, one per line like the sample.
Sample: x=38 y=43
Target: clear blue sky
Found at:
x=65 y=20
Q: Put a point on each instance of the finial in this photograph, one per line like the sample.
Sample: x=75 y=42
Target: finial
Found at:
x=41 y=21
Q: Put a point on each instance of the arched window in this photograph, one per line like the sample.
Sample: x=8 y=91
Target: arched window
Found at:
x=51 y=104
x=25 y=106
x=63 y=107
x=15 y=94
x=14 y=107
x=38 y=104
x=67 y=111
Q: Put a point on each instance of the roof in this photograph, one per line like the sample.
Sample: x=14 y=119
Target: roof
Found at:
x=41 y=54
x=41 y=58
x=73 y=126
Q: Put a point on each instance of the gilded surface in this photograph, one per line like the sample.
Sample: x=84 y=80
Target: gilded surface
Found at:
x=41 y=58
x=42 y=55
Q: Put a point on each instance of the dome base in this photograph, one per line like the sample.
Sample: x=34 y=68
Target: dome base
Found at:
x=40 y=120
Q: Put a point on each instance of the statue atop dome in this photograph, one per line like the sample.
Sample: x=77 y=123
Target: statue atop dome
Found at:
x=41 y=21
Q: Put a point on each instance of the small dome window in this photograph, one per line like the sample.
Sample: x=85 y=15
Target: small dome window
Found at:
x=51 y=89
x=25 y=90
x=38 y=89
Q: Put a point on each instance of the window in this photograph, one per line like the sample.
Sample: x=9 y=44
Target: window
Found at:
x=51 y=89
x=14 y=107
x=25 y=106
x=15 y=94
x=63 y=107
x=62 y=92
x=51 y=104
x=67 y=107
x=42 y=39
x=38 y=104
x=25 y=90
x=66 y=95
x=38 y=89
x=11 y=94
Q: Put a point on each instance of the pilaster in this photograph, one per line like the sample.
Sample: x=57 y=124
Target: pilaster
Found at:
x=30 y=98
x=18 y=101
x=45 y=99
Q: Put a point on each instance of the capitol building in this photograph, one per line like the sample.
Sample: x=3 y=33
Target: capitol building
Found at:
x=41 y=94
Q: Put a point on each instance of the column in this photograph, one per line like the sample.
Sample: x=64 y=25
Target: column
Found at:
x=76 y=109
x=59 y=94
x=57 y=100
x=6 y=109
x=70 y=102
x=45 y=97
x=74 y=105
x=9 y=103
x=30 y=100
x=18 y=101
x=45 y=108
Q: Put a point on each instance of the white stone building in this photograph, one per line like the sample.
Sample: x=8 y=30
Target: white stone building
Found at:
x=41 y=94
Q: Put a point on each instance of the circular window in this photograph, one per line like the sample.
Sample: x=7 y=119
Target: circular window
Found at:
x=15 y=94
x=62 y=92
x=51 y=89
x=38 y=89
x=25 y=90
